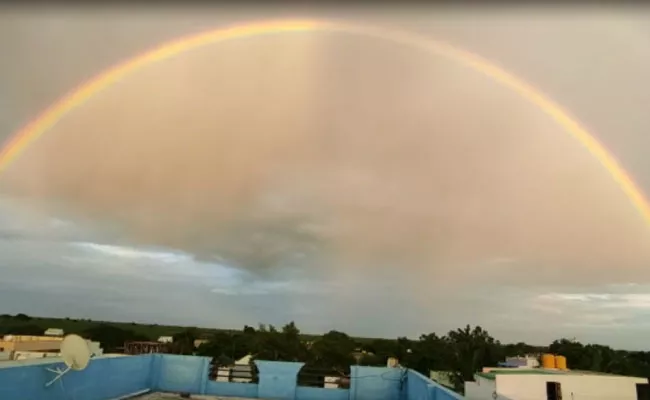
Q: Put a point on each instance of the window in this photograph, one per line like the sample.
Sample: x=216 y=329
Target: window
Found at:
x=224 y=370
x=328 y=378
x=643 y=391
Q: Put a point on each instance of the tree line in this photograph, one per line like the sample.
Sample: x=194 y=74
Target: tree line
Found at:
x=460 y=352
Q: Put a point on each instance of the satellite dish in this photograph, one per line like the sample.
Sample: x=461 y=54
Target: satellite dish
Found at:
x=75 y=353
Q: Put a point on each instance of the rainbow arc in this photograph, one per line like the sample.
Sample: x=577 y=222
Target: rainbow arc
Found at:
x=45 y=121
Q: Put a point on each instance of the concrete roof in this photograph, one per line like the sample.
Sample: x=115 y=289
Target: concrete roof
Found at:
x=491 y=375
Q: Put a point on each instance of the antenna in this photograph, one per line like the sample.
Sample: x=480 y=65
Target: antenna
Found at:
x=76 y=355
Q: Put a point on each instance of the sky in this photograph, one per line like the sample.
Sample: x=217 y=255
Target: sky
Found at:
x=338 y=181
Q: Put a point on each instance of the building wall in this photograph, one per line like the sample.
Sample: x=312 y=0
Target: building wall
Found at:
x=28 y=338
x=442 y=377
x=109 y=378
x=375 y=383
x=481 y=389
x=419 y=387
x=95 y=348
x=24 y=355
x=105 y=378
x=574 y=387
x=30 y=344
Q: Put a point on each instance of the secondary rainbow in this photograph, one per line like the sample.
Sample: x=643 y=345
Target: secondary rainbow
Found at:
x=32 y=131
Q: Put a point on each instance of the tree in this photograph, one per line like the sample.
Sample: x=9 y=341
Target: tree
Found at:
x=22 y=317
x=334 y=351
x=111 y=337
x=471 y=349
x=430 y=353
x=183 y=342
x=284 y=345
x=29 y=329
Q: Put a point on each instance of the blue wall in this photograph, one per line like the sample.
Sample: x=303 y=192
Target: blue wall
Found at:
x=419 y=387
x=278 y=380
x=108 y=378
x=105 y=378
x=375 y=383
x=314 y=393
x=180 y=374
x=231 y=389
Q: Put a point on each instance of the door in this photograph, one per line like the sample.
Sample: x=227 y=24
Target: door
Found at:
x=553 y=391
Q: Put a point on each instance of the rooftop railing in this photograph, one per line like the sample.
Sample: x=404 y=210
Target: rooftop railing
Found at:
x=108 y=378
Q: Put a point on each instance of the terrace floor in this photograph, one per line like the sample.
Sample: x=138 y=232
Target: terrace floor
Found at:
x=174 y=396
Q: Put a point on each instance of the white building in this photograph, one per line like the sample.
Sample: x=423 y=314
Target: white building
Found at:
x=442 y=377
x=94 y=347
x=165 y=339
x=27 y=355
x=54 y=332
x=543 y=384
x=241 y=371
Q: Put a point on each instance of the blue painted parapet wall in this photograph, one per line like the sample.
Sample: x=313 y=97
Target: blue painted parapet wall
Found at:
x=108 y=378
x=104 y=378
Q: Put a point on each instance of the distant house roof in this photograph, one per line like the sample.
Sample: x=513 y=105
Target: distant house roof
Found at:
x=54 y=332
x=244 y=360
x=491 y=375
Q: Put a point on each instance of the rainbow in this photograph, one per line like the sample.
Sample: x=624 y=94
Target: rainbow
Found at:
x=32 y=131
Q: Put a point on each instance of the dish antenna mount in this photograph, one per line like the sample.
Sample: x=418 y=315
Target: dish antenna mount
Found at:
x=76 y=355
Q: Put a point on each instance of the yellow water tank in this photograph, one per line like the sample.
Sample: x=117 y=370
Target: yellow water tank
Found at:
x=560 y=362
x=548 y=361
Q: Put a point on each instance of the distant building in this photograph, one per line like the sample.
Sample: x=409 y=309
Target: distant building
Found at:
x=442 y=377
x=54 y=332
x=241 y=371
x=28 y=355
x=165 y=339
x=134 y=348
x=527 y=361
x=95 y=348
x=11 y=343
x=542 y=384
x=22 y=347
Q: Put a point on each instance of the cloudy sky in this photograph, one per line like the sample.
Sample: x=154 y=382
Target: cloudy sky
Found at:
x=339 y=181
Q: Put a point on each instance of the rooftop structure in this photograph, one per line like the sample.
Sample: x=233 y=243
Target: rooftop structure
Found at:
x=54 y=332
x=12 y=343
x=521 y=362
x=165 y=376
x=543 y=384
x=18 y=347
x=135 y=348
x=166 y=339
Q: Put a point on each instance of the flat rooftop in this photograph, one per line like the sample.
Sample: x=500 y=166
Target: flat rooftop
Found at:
x=172 y=396
x=491 y=375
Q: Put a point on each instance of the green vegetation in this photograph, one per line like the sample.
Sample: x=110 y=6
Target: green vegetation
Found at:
x=462 y=352
x=70 y=325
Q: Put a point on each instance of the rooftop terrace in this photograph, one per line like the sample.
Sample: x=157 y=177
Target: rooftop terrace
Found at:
x=155 y=376
x=535 y=371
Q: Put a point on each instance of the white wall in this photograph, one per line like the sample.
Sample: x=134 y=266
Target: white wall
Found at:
x=574 y=387
x=95 y=348
x=25 y=355
x=481 y=389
